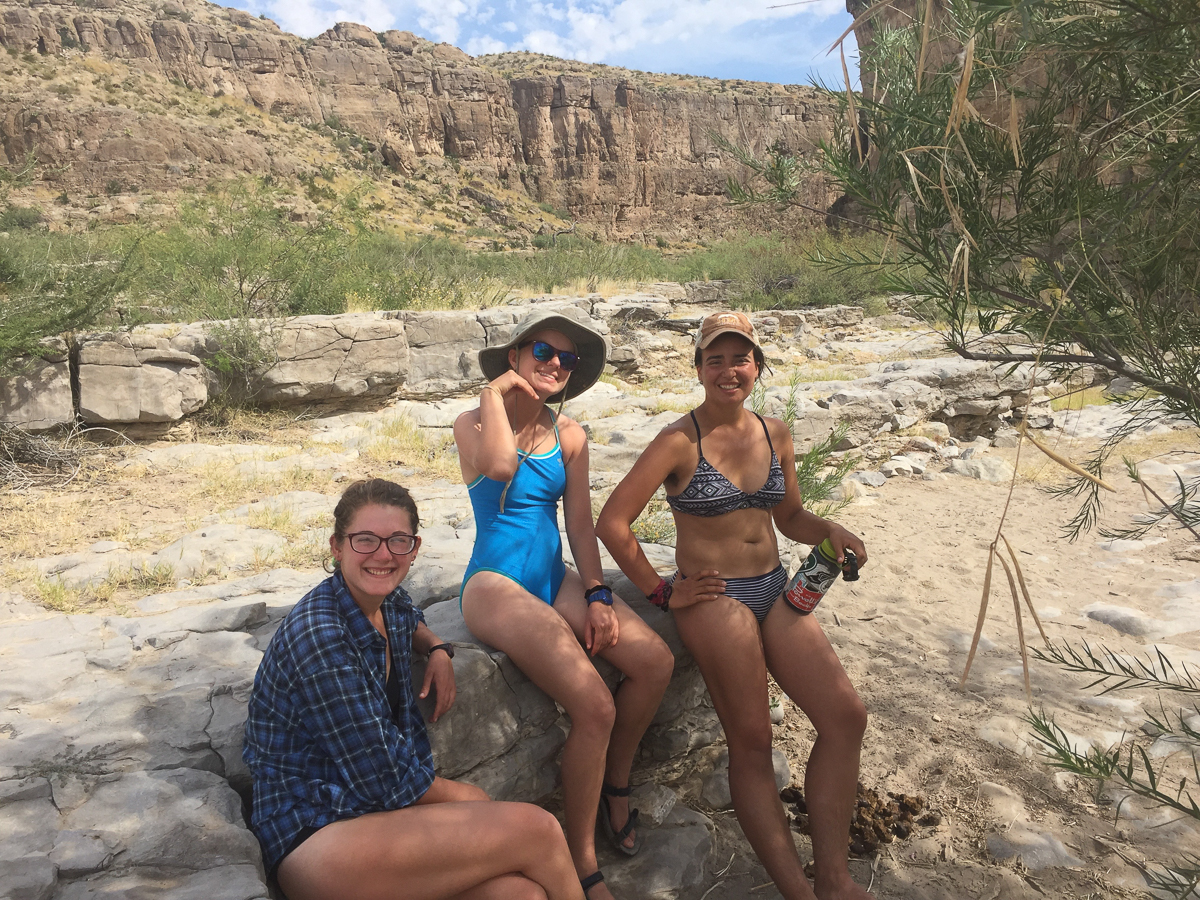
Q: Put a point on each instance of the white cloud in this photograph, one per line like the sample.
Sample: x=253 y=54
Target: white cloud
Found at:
x=547 y=42
x=597 y=30
x=311 y=17
x=481 y=44
x=696 y=36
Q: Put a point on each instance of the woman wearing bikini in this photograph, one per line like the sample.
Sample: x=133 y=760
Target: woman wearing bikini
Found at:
x=728 y=490
x=518 y=458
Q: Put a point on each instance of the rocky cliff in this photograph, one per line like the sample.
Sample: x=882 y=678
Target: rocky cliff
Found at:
x=623 y=150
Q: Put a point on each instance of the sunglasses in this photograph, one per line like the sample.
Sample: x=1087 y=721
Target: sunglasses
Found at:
x=544 y=352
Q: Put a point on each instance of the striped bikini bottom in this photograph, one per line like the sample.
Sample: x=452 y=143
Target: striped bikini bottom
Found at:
x=759 y=593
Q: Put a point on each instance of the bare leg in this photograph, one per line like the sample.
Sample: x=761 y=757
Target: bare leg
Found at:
x=646 y=662
x=443 y=790
x=724 y=639
x=806 y=667
x=481 y=851
x=541 y=644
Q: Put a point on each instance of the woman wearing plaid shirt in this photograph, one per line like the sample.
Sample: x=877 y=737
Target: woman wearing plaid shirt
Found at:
x=346 y=803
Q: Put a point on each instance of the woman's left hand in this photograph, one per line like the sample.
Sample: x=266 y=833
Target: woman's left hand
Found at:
x=843 y=540
x=601 y=629
x=439 y=673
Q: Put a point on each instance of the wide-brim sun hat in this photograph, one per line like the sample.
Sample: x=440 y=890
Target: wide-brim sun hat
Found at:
x=590 y=346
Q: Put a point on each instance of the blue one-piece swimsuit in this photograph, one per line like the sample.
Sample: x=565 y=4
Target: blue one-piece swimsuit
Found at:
x=521 y=543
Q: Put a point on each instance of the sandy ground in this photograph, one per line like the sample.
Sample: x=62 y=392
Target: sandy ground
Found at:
x=902 y=633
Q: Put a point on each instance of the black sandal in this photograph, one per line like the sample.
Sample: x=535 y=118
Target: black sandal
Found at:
x=617 y=838
x=591 y=881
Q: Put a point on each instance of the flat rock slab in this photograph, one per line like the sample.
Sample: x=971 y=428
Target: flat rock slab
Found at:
x=670 y=865
x=224 y=883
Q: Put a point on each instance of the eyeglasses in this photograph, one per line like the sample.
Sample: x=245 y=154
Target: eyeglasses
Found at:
x=544 y=352
x=367 y=542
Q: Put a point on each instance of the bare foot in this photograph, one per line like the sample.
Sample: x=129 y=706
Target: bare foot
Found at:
x=843 y=889
x=618 y=815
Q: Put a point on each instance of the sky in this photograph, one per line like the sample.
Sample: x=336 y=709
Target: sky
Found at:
x=758 y=40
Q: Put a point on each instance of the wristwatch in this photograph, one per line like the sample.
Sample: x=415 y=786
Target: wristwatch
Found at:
x=449 y=648
x=601 y=593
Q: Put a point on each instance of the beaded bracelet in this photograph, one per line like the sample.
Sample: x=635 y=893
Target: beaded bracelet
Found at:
x=661 y=595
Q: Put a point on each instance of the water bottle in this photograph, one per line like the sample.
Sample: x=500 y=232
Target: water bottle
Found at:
x=816 y=575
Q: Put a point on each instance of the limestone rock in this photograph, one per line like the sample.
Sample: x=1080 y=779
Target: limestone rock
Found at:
x=181 y=818
x=716 y=787
x=870 y=479
x=329 y=357
x=80 y=853
x=39 y=396
x=671 y=864
x=123 y=378
x=28 y=878
x=235 y=882
x=653 y=802
x=897 y=465
x=990 y=469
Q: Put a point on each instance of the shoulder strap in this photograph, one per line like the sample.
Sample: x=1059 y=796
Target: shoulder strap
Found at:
x=763 y=423
x=554 y=422
x=699 y=446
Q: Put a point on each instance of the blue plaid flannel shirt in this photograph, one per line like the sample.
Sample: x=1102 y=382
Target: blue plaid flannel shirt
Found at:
x=320 y=740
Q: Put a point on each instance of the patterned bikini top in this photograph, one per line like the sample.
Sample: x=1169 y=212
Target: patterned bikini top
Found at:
x=710 y=493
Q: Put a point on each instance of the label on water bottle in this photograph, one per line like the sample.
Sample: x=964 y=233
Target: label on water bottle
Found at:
x=814 y=577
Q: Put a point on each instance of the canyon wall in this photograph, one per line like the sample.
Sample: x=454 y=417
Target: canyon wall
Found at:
x=617 y=148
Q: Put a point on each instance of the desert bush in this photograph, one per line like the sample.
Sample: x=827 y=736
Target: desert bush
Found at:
x=1128 y=765
x=784 y=272
x=236 y=253
x=50 y=285
x=20 y=218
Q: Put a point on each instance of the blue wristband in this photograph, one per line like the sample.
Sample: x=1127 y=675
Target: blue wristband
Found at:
x=599 y=594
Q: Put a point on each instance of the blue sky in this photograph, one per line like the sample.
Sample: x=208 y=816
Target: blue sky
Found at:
x=719 y=38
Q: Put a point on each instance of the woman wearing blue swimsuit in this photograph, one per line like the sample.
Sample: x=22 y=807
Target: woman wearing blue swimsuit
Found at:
x=725 y=598
x=518 y=458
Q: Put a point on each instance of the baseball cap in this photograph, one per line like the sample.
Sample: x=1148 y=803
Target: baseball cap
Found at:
x=725 y=323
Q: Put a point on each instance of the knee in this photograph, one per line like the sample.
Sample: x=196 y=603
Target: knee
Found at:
x=847 y=722
x=473 y=793
x=538 y=826
x=661 y=665
x=595 y=711
x=524 y=889
x=750 y=741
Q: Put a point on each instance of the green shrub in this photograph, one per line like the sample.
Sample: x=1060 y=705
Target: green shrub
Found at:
x=50 y=284
x=21 y=218
x=784 y=272
x=235 y=253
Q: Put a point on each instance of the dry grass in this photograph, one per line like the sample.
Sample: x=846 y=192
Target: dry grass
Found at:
x=1035 y=467
x=56 y=595
x=398 y=441
x=277 y=519
x=119 y=587
x=824 y=371
x=579 y=287
x=309 y=553
x=1186 y=440
x=221 y=485
x=39 y=524
x=228 y=425
x=1092 y=396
